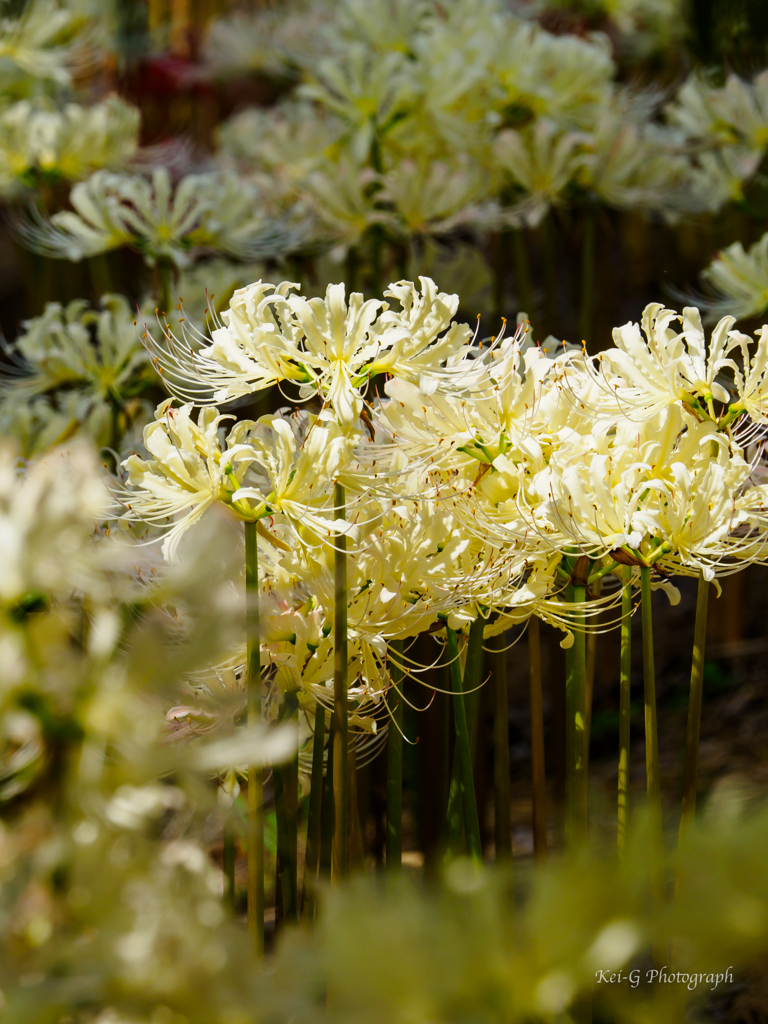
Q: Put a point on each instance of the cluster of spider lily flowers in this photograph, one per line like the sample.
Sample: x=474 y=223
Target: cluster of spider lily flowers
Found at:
x=437 y=483
x=267 y=550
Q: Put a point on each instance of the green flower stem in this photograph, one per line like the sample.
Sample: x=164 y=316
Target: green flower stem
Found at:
x=538 y=773
x=443 y=762
x=350 y=275
x=587 y=277
x=100 y=274
x=163 y=275
x=523 y=288
x=314 y=820
x=376 y=238
x=286 y=858
x=471 y=701
x=576 y=735
x=326 y=824
x=500 y=275
x=591 y=662
x=286 y=778
x=340 y=706
x=501 y=782
x=550 y=274
x=653 y=780
x=624 y=708
x=394 y=839
x=464 y=752
x=229 y=865
x=255 y=821
x=690 y=778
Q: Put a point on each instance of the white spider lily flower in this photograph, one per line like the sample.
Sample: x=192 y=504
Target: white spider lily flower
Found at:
x=653 y=495
x=69 y=144
x=632 y=166
x=57 y=348
x=48 y=513
x=329 y=346
x=214 y=211
x=738 y=281
x=365 y=89
x=271 y=467
x=388 y=25
x=498 y=413
x=92 y=369
x=283 y=144
x=39 y=43
x=718 y=178
x=185 y=474
x=271 y=41
x=540 y=162
x=663 y=365
x=562 y=77
x=736 y=113
x=340 y=195
x=751 y=378
x=291 y=467
x=435 y=197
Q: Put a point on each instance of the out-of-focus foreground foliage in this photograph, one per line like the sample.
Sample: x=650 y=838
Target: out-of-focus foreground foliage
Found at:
x=504 y=148
x=111 y=907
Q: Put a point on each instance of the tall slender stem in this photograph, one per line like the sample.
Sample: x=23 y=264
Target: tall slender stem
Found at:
x=285 y=851
x=286 y=778
x=340 y=705
x=550 y=275
x=591 y=662
x=355 y=846
x=691 y=776
x=314 y=819
x=464 y=752
x=500 y=276
x=229 y=865
x=377 y=258
x=255 y=827
x=501 y=782
x=624 y=708
x=163 y=274
x=653 y=781
x=473 y=674
x=523 y=287
x=471 y=680
x=538 y=772
x=587 y=277
x=350 y=275
x=394 y=839
x=575 y=737
x=326 y=824
x=443 y=773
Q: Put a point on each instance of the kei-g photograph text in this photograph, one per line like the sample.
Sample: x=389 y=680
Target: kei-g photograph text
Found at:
x=383 y=511
x=663 y=976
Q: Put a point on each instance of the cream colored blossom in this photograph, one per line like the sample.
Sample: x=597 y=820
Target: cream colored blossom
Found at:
x=435 y=198
x=365 y=89
x=271 y=467
x=735 y=114
x=656 y=492
x=738 y=279
x=540 y=162
x=37 y=43
x=90 y=364
x=204 y=212
x=329 y=346
x=71 y=143
x=48 y=513
x=664 y=365
x=560 y=77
